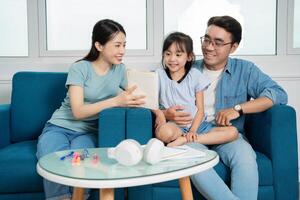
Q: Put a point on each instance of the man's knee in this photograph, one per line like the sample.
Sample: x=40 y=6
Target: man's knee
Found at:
x=238 y=151
x=245 y=155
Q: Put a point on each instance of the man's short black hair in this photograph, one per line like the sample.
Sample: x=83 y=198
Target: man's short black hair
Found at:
x=230 y=24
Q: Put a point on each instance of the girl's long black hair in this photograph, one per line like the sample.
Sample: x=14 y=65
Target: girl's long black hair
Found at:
x=184 y=43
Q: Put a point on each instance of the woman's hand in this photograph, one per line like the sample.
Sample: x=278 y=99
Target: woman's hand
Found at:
x=128 y=99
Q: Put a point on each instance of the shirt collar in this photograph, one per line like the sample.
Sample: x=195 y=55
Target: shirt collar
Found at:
x=228 y=67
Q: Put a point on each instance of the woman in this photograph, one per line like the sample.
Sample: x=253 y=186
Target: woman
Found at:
x=93 y=84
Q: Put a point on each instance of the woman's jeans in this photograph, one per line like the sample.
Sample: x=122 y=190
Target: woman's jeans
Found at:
x=55 y=138
x=239 y=156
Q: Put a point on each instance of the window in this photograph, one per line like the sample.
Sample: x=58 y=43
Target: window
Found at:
x=14 y=31
x=296 y=25
x=293 y=37
x=258 y=20
x=69 y=23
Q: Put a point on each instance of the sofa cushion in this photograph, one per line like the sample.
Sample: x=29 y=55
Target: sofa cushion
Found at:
x=160 y=193
x=266 y=193
x=18 y=168
x=23 y=196
x=139 y=124
x=111 y=134
x=166 y=193
x=35 y=96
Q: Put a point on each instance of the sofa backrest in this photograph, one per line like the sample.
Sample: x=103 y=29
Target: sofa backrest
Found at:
x=35 y=96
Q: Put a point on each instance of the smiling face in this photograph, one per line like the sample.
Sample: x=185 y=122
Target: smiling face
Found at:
x=113 y=51
x=175 y=59
x=215 y=58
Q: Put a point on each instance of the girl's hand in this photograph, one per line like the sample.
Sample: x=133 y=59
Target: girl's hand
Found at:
x=127 y=99
x=191 y=136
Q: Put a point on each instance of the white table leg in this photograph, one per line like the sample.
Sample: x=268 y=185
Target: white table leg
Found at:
x=107 y=194
x=185 y=188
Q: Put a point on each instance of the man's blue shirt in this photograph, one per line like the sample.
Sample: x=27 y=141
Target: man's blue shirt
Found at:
x=241 y=81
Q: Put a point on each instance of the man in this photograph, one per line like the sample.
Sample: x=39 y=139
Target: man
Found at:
x=238 y=87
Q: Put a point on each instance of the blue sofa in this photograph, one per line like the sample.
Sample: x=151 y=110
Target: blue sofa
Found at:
x=35 y=96
x=273 y=136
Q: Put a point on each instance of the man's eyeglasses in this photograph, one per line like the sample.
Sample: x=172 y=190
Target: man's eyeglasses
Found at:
x=205 y=41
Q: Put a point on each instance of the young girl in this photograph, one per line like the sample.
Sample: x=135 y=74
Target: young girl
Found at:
x=93 y=85
x=180 y=84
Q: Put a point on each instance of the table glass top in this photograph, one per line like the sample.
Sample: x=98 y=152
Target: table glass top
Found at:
x=108 y=168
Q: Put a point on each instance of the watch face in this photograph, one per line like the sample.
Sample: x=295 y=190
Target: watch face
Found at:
x=237 y=107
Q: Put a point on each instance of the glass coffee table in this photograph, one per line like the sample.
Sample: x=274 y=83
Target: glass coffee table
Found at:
x=107 y=174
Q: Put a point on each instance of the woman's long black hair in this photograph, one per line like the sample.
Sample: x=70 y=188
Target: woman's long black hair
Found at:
x=103 y=31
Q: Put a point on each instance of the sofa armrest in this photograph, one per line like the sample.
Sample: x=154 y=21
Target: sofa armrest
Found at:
x=274 y=134
x=111 y=127
x=4 y=125
x=111 y=132
x=139 y=124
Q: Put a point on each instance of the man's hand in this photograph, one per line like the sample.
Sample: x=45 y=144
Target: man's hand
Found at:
x=179 y=117
x=224 y=117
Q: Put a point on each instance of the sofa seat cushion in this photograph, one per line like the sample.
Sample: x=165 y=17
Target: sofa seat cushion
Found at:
x=18 y=168
x=166 y=193
x=23 y=196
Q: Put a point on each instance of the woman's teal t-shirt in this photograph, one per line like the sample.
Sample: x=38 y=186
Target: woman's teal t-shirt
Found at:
x=96 y=88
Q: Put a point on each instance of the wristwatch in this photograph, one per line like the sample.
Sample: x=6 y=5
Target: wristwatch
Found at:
x=239 y=109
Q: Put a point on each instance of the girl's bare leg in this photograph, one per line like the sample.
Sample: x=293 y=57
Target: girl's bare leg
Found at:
x=218 y=135
x=168 y=132
x=179 y=141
